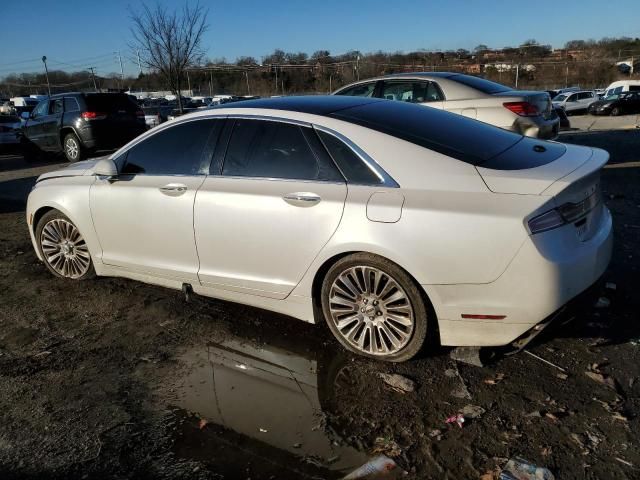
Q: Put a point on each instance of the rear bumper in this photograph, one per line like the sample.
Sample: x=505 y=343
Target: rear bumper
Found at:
x=544 y=276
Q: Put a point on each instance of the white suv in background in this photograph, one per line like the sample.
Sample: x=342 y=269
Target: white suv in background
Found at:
x=524 y=112
x=576 y=101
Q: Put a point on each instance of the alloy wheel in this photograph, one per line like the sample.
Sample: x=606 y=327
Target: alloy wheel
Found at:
x=72 y=148
x=371 y=311
x=64 y=249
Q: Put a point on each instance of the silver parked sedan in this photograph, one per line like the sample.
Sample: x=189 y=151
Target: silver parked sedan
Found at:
x=389 y=221
x=524 y=112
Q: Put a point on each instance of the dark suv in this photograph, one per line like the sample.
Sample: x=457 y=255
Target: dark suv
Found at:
x=77 y=123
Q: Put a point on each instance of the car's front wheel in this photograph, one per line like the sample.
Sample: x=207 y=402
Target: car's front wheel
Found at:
x=63 y=248
x=72 y=148
x=374 y=308
x=615 y=111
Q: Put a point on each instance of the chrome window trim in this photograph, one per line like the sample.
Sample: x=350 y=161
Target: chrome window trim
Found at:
x=378 y=171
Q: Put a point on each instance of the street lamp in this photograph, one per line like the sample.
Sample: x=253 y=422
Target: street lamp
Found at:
x=46 y=72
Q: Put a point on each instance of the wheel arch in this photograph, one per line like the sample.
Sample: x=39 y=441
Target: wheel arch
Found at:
x=321 y=272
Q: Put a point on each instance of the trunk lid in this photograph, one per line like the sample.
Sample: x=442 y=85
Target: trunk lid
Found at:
x=541 y=100
x=534 y=167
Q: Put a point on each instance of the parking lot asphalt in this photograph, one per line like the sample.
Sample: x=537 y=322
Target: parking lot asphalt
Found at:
x=110 y=378
x=593 y=123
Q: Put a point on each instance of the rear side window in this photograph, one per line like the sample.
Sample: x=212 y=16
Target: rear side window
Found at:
x=71 y=104
x=268 y=149
x=55 y=106
x=110 y=102
x=634 y=88
x=411 y=91
x=183 y=149
x=362 y=90
x=355 y=170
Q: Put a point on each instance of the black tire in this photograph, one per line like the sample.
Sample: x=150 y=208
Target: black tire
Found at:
x=402 y=278
x=615 y=111
x=72 y=147
x=56 y=215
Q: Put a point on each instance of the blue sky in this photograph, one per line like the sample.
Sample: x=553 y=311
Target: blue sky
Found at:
x=76 y=34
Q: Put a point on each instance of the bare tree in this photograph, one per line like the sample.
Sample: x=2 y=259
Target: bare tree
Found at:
x=169 y=42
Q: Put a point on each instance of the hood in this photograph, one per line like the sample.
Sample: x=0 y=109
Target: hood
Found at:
x=77 y=169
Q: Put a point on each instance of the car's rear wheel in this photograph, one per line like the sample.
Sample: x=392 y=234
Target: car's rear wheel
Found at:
x=63 y=248
x=72 y=148
x=615 y=111
x=374 y=308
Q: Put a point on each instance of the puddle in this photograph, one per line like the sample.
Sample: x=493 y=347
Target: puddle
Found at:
x=264 y=412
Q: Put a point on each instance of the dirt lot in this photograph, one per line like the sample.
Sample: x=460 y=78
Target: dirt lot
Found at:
x=111 y=378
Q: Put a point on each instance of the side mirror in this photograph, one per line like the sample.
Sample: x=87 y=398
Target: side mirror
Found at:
x=106 y=167
x=25 y=115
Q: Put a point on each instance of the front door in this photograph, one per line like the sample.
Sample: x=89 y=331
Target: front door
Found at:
x=34 y=128
x=264 y=216
x=144 y=219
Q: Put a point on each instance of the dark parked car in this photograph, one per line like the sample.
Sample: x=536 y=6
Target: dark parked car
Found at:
x=78 y=123
x=617 y=104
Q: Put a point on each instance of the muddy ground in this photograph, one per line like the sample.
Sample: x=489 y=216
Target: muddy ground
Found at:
x=110 y=378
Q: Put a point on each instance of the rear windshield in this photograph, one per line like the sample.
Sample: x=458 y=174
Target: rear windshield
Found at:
x=110 y=102
x=447 y=133
x=481 y=84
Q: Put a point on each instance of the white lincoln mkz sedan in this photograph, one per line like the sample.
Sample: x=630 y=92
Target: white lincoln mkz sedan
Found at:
x=390 y=221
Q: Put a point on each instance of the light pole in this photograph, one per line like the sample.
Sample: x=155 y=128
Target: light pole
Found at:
x=46 y=72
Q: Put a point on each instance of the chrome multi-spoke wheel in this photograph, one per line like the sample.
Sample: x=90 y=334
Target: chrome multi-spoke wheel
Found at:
x=371 y=310
x=72 y=148
x=64 y=249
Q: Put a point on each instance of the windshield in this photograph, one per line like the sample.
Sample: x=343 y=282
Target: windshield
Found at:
x=110 y=102
x=560 y=98
x=485 y=86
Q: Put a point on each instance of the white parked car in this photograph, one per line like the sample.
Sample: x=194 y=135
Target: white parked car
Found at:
x=391 y=221
x=575 y=102
x=622 y=86
x=524 y=112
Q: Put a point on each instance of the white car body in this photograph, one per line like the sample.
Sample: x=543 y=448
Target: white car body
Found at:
x=525 y=112
x=462 y=231
x=575 y=101
x=622 y=86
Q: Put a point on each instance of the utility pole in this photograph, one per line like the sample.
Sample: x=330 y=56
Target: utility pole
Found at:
x=211 y=83
x=246 y=74
x=139 y=64
x=93 y=76
x=517 y=73
x=276 y=79
x=358 y=67
x=566 y=75
x=46 y=72
x=189 y=84
x=121 y=70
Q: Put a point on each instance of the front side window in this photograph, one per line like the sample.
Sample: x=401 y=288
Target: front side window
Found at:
x=362 y=90
x=56 y=106
x=183 y=149
x=268 y=149
x=41 y=109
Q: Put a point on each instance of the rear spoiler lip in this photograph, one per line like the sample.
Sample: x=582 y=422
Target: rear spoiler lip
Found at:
x=596 y=161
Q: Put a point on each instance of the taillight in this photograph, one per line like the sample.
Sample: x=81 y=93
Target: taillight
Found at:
x=564 y=214
x=94 y=115
x=524 y=109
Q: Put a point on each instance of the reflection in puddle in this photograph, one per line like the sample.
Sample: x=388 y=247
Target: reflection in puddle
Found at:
x=265 y=401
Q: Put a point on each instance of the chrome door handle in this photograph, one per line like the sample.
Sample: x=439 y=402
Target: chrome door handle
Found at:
x=173 y=189
x=302 y=199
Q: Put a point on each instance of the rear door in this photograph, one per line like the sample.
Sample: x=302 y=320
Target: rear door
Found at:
x=262 y=217
x=51 y=126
